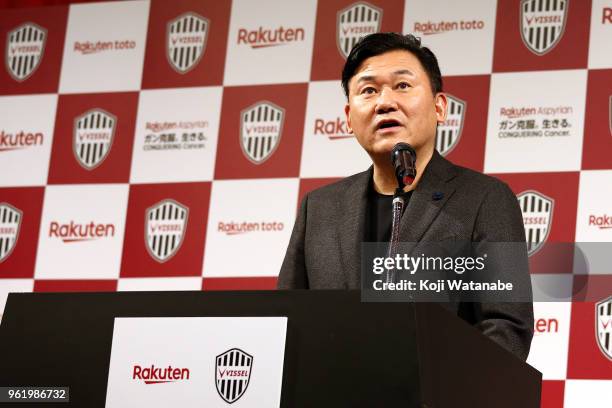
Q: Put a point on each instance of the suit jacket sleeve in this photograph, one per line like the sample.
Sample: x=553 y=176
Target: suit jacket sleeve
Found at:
x=293 y=270
x=499 y=220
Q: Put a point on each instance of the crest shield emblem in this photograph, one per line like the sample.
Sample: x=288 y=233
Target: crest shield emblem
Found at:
x=449 y=132
x=10 y=221
x=165 y=226
x=24 y=50
x=542 y=24
x=232 y=374
x=354 y=22
x=261 y=127
x=93 y=136
x=603 y=322
x=537 y=212
x=186 y=41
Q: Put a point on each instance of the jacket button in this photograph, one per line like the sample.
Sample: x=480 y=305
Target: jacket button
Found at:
x=438 y=195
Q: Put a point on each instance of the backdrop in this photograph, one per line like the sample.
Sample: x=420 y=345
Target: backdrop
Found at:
x=166 y=145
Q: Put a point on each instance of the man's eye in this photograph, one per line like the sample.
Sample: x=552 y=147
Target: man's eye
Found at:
x=403 y=85
x=368 y=90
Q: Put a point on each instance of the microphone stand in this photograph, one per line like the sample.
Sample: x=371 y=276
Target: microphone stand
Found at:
x=403 y=158
x=398 y=210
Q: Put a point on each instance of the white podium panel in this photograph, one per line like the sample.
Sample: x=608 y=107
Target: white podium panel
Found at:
x=196 y=362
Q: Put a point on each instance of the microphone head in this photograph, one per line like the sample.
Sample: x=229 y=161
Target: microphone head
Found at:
x=403 y=159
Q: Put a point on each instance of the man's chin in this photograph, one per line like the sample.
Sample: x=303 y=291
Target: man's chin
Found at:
x=387 y=147
x=382 y=152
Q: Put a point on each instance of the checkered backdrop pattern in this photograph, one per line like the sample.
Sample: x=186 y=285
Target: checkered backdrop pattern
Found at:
x=157 y=145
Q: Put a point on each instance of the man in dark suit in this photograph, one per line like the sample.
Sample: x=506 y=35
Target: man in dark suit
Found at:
x=394 y=91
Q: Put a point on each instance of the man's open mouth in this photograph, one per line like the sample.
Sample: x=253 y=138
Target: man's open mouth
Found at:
x=386 y=124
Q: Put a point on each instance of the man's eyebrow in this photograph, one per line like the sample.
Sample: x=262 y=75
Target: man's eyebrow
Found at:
x=366 y=78
x=403 y=72
x=369 y=78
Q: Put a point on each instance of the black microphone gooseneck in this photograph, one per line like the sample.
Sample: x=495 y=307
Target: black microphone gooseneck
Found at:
x=403 y=159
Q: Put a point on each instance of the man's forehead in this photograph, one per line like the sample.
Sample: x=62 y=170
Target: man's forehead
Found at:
x=396 y=62
x=369 y=76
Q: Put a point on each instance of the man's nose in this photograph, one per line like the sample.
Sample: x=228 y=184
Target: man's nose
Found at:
x=386 y=101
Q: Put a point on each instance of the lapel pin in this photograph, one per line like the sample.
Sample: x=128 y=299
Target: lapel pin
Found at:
x=438 y=195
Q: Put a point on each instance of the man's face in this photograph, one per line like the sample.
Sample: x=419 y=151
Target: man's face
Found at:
x=391 y=101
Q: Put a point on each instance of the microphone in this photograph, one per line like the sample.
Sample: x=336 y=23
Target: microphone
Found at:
x=403 y=158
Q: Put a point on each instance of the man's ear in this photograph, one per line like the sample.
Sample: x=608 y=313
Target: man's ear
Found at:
x=347 y=112
x=441 y=104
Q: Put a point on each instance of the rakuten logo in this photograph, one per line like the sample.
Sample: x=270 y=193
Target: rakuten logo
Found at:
x=430 y=27
x=162 y=126
x=600 y=221
x=519 y=112
x=541 y=326
x=88 y=47
x=21 y=140
x=155 y=375
x=75 y=232
x=333 y=129
x=236 y=228
x=606 y=15
x=263 y=37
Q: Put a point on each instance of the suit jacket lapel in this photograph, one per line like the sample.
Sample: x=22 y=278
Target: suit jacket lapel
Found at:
x=428 y=198
x=420 y=213
x=351 y=228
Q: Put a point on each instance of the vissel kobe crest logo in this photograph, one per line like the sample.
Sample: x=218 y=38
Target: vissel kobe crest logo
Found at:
x=603 y=322
x=449 y=132
x=542 y=24
x=232 y=374
x=24 y=50
x=93 y=136
x=10 y=221
x=165 y=226
x=537 y=212
x=354 y=22
x=186 y=41
x=261 y=127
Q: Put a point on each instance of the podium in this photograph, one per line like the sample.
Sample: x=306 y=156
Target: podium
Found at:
x=339 y=351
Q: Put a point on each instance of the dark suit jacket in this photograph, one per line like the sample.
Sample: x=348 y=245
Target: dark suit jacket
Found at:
x=325 y=247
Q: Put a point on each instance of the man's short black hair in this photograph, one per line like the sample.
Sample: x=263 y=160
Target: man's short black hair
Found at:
x=380 y=43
